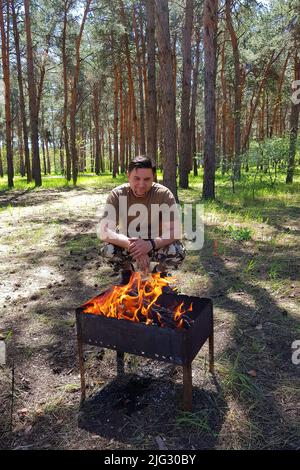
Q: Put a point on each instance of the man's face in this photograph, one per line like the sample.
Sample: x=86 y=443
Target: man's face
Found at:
x=140 y=180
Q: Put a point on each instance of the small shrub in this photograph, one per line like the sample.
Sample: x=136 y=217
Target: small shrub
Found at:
x=239 y=234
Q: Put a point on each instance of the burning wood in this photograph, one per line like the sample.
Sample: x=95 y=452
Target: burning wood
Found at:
x=137 y=302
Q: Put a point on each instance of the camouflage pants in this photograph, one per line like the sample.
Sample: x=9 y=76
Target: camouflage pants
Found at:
x=168 y=257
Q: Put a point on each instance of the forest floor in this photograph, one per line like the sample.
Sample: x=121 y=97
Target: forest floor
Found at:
x=249 y=266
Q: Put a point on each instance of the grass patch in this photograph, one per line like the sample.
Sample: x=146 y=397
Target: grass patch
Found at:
x=53 y=405
x=198 y=420
x=69 y=388
x=81 y=243
x=67 y=322
x=236 y=382
x=239 y=234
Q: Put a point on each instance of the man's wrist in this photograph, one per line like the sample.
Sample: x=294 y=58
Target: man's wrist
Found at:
x=152 y=243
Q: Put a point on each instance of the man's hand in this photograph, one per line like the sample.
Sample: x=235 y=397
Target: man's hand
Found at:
x=143 y=263
x=139 y=247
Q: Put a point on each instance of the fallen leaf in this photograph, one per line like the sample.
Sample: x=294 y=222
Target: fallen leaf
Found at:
x=252 y=372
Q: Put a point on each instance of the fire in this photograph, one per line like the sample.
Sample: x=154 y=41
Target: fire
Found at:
x=136 y=301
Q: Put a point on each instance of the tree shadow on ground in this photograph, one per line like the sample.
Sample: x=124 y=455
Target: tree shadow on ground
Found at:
x=52 y=308
x=33 y=197
x=270 y=215
x=155 y=408
x=259 y=340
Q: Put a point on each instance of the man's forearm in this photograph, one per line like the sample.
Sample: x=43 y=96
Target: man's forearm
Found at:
x=162 y=242
x=117 y=239
x=168 y=236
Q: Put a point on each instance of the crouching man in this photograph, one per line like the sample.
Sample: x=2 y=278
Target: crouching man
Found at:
x=141 y=223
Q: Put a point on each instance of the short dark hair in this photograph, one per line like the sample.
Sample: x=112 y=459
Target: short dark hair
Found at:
x=141 y=161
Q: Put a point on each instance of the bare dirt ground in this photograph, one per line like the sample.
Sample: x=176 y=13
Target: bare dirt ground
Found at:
x=50 y=264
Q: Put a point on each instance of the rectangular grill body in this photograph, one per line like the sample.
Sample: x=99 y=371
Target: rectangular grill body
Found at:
x=178 y=346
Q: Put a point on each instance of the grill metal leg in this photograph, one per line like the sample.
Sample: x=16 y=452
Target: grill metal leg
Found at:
x=81 y=360
x=211 y=353
x=187 y=387
x=120 y=363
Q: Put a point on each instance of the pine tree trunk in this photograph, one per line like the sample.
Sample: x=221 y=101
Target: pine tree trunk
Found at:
x=193 y=163
x=109 y=147
x=255 y=102
x=262 y=117
x=126 y=130
x=237 y=92
x=283 y=121
x=224 y=111
x=185 y=131
x=48 y=155
x=7 y=93
x=141 y=91
x=277 y=106
x=20 y=145
x=167 y=95
x=116 y=119
x=130 y=80
x=74 y=97
x=42 y=77
x=144 y=64
x=36 y=165
x=61 y=154
x=210 y=68
x=129 y=127
x=122 y=119
x=96 y=103
x=21 y=93
x=54 y=144
x=102 y=161
x=294 y=124
x=67 y=5
x=174 y=62
x=1 y=164
x=151 y=102
x=92 y=150
x=44 y=155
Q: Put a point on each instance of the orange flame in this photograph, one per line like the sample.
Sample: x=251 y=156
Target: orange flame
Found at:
x=136 y=301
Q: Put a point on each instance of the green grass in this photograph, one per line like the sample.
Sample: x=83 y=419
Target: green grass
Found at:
x=82 y=243
x=239 y=234
x=241 y=202
x=104 y=181
x=251 y=266
x=69 y=388
x=198 y=420
x=235 y=381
